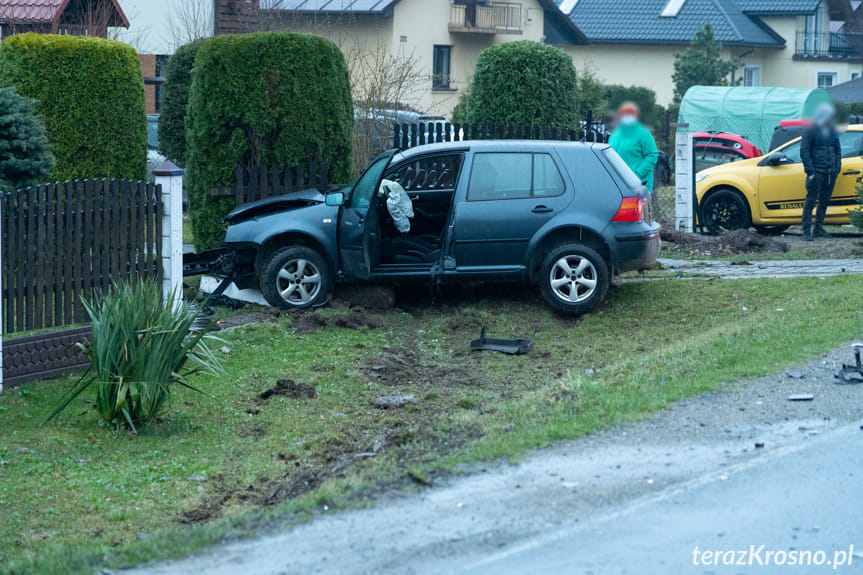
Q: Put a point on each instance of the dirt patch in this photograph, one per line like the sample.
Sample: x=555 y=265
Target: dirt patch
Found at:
x=745 y=241
x=839 y=247
x=308 y=322
x=357 y=319
x=293 y=486
x=468 y=321
x=393 y=366
x=368 y=297
x=729 y=243
x=289 y=388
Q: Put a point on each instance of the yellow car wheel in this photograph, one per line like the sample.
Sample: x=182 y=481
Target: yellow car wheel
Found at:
x=724 y=210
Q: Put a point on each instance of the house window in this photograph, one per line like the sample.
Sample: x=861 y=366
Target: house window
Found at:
x=672 y=9
x=815 y=21
x=826 y=79
x=441 y=72
x=752 y=76
x=161 y=72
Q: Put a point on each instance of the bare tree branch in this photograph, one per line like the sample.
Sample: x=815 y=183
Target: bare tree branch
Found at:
x=190 y=20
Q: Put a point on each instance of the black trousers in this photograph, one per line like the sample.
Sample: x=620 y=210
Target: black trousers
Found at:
x=818 y=190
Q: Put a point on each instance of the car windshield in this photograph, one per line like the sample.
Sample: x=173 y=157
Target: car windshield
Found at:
x=621 y=168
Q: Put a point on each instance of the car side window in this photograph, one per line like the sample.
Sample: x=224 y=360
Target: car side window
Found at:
x=852 y=144
x=513 y=175
x=792 y=152
x=439 y=172
x=547 y=181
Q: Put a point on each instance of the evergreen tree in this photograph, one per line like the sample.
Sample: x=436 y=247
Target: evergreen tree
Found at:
x=701 y=64
x=25 y=153
x=590 y=93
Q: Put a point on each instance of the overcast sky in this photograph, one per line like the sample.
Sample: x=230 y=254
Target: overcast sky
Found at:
x=151 y=24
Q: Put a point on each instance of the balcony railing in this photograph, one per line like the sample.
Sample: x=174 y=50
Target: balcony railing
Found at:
x=829 y=45
x=485 y=17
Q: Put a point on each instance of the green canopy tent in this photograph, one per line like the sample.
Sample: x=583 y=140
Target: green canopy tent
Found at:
x=749 y=112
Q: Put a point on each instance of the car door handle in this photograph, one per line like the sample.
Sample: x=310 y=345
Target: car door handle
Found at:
x=542 y=210
x=852 y=173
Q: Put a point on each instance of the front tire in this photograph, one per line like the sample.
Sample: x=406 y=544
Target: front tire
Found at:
x=574 y=279
x=296 y=278
x=725 y=210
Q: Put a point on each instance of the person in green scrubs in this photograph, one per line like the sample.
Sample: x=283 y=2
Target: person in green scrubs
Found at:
x=635 y=144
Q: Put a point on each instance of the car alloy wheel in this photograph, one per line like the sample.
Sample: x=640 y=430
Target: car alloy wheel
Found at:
x=573 y=278
x=725 y=210
x=299 y=282
x=295 y=277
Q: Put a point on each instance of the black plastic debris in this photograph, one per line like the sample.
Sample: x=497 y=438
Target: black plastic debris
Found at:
x=851 y=374
x=510 y=346
x=203 y=318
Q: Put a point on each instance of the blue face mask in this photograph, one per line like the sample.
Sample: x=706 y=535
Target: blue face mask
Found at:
x=628 y=120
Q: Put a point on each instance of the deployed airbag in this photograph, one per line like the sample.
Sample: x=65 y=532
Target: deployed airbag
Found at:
x=399 y=205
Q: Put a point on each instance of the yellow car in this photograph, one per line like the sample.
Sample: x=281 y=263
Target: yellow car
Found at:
x=768 y=192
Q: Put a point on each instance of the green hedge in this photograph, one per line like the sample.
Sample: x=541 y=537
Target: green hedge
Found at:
x=172 y=121
x=643 y=97
x=91 y=94
x=263 y=98
x=524 y=83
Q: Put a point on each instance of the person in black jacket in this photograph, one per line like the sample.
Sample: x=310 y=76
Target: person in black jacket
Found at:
x=822 y=159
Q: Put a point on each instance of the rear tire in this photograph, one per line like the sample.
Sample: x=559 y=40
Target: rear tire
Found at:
x=296 y=277
x=725 y=210
x=574 y=279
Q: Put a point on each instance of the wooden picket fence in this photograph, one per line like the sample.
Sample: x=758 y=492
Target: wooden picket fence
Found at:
x=66 y=241
x=261 y=182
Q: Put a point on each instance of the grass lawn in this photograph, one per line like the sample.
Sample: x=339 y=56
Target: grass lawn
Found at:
x=76 y=495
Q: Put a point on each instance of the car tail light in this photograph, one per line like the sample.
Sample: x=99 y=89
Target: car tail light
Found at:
x=631 y=210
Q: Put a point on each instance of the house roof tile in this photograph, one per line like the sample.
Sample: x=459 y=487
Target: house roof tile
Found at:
x=30 y=10
x=564 y=30
x=764 y=7
x=43 y=11
x=356 y=6
x=627 y=22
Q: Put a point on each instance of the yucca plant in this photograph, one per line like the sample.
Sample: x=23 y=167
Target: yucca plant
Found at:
x=141 y=347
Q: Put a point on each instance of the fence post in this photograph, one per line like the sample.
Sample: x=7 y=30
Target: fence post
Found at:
x=685 y=206
x=170 y=178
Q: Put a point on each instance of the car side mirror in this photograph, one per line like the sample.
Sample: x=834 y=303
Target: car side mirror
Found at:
x=336 y=199
x=777 y=159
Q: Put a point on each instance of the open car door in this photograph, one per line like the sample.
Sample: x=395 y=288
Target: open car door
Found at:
x=359 y=223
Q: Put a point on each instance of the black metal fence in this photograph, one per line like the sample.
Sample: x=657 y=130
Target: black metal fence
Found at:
x=407 y=136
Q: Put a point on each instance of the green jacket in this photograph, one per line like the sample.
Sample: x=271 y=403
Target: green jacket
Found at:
x=636 y=146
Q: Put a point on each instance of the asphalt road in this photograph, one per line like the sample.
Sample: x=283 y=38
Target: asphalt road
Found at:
x=721 y=472
x=804 y=499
